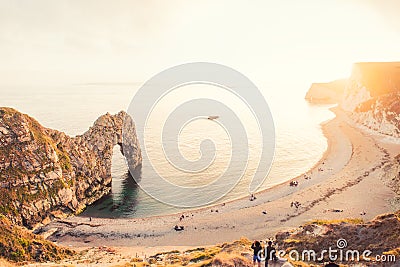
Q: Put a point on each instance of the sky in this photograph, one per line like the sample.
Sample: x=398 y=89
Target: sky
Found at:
x=299 y=42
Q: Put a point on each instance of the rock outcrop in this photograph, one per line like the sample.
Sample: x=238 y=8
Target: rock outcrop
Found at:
x=326 y=93
x=380 y=236
x=45 y=174
x=372 y=96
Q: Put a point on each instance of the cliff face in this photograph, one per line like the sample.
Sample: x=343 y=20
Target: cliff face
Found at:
x=46 y=174
x=326 y=93
x=372 y=96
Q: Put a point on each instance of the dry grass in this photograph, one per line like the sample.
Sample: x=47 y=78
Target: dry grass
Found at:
x=19 y=245
x=226 y=254
x=338 y=221
x=230 y=260
x=380 y=235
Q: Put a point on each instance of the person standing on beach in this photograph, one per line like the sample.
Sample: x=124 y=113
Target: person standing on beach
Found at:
x=256 y=247
x=270 y=253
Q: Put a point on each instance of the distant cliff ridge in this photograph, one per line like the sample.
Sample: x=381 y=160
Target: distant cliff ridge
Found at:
x=326 y=93
x=372 y=96
x=44 y=173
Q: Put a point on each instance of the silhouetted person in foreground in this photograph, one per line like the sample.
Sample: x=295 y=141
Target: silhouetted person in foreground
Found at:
x=331 y=264
x=270 y=253
x=256 y=246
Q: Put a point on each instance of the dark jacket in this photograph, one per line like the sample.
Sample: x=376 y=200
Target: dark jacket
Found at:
x=270 y=253
x=256 y=248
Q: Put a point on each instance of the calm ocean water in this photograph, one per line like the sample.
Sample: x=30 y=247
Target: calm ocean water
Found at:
x=73 y=108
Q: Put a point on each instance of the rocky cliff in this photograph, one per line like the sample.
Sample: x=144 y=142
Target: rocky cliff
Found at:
x=326 y=93
x=45 y=174
x=372 y=96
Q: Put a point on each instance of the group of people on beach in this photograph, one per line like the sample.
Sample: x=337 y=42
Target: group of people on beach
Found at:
x=268 y=253
x=295 y=204
x=259 y=253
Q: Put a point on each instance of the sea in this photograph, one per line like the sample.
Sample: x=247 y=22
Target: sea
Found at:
x=72 y=108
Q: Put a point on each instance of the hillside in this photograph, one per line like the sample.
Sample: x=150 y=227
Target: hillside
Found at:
x=19 y=245
x=380 y=236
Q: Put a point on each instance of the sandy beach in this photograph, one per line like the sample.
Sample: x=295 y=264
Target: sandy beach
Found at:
x=344 y=183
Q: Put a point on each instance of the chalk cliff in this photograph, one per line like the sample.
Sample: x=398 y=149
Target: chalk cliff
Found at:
x=326 y=93
x=372 y=96
x=45 y=173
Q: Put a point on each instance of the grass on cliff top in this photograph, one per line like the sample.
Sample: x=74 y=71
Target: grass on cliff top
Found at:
x=226 y=254
x=19 y=245
x=337 y=221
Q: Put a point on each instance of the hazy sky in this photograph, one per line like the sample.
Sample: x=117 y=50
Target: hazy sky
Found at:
x=129 y=41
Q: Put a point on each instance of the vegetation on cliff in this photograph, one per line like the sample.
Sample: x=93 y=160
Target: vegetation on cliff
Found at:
x=19 y=245
x=227 y=254
x=237 y=253
x=380 y=236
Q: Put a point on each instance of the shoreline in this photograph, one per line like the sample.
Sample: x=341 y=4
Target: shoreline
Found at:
x=341 y=185
x=324 y=155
